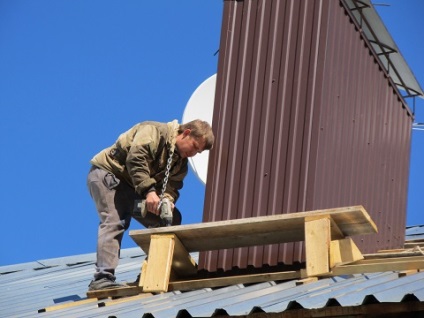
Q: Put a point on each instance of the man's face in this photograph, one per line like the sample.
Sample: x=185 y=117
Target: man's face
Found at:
x=189 y=146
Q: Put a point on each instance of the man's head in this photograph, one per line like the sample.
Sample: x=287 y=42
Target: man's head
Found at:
x=194 y=137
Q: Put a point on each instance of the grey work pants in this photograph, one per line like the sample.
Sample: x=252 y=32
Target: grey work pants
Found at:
x=114 y=202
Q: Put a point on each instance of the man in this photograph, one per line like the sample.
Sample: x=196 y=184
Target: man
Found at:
x=135 y=168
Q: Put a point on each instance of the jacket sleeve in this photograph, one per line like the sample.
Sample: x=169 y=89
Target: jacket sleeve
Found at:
x=139 y=158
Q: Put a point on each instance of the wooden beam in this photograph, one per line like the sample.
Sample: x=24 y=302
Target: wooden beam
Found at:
x=412 y=244
x=404 y=253
x=384 y=260
x=336 y=233
x=317 y=245
x=382 y=265
x=182 y=263
x=159 y=264
x=231 y=280
x=115 y=292
x=142 y=274
x=255 y=231
x=124 y=300
x=68 y=305
x=343 y=252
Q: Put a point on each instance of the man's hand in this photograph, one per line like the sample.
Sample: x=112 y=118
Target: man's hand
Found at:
x=152 y=202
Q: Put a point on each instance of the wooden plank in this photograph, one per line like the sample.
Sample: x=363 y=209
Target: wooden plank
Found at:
x=343 y=252
x=159 y=263
x=68 y=305
x=396 y=250
x=384 y=265
x=115 y=292
x=404 y=253
x=336 y=233
x=231 y=280
x=317 y=245
x=182 y=263
x=272 y=229
x=142 y=274
x=124 y=300
x=390 y=260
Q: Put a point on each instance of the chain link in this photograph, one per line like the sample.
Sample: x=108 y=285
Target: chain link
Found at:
x=165 y=180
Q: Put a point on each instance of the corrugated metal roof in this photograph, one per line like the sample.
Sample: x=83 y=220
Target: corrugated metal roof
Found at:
x=415 y=233
x=27 y=288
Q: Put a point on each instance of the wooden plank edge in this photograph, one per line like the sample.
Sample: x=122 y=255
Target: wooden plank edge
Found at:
x=372 y=266
x=393 y=254
x=232 y=280
x=384 y=260
x=182 y=263
x=159 y=263
x=124 y=300
x=115 y=292
x=344 y=251
x=68 y=305
x=317 y=245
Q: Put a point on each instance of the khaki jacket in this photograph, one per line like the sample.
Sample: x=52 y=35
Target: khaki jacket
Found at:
x=139 y=156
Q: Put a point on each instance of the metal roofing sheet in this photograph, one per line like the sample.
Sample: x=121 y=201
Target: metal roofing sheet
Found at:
x=26 y=288
x=384 y=45
x=415 y=233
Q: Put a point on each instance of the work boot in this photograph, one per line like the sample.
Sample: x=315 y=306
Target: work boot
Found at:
x=104 y=283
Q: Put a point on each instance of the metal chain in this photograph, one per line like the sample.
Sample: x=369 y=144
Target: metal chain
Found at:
x=168 y=163
x=165 y=180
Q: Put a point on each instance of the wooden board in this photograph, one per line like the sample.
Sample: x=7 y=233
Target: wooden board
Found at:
x=262 y=230
x=158 y=269
x=115 y=292
x=125 y=299
x=68 y=305
x=232 y=280
x=380 y=265
x=317 y=245
x=343 y=252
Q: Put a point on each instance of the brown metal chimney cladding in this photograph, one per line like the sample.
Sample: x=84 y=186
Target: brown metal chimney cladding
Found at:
x=305 y=118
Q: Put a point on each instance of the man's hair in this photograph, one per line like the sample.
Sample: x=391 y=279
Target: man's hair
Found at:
x=200 y=130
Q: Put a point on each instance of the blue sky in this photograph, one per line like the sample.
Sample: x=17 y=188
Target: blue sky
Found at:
x=77 y=73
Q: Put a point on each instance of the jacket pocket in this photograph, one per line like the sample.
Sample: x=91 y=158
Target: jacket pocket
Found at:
x=110 y=181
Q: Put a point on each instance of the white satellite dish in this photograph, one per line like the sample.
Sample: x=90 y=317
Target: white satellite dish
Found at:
x=200 y=106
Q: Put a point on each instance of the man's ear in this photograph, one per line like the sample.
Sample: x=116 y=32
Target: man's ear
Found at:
x=186 y=132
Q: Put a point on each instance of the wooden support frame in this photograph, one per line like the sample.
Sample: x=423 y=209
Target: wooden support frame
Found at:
x=263 y=230
x=166 y=252
x=317 y=245
x=323 y=252
x=325 y=233
x=344 y=251
x=158 y=269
